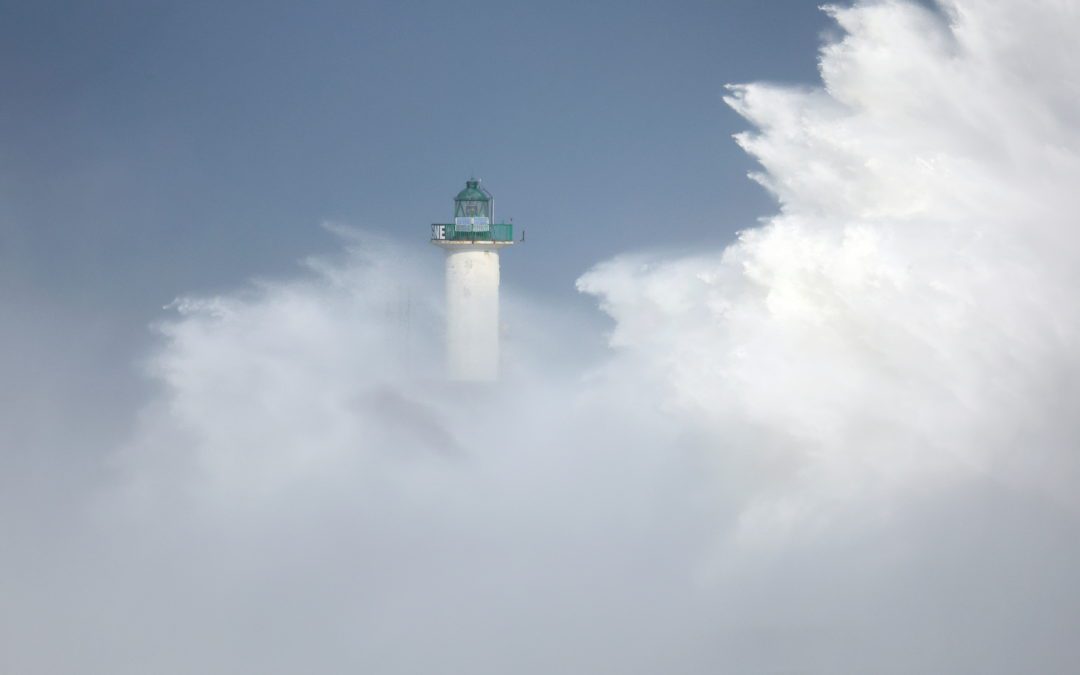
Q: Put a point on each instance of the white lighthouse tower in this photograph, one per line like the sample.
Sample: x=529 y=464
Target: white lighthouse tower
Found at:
x=472 y=244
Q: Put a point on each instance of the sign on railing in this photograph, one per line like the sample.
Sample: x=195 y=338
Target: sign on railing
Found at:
x=472 y=224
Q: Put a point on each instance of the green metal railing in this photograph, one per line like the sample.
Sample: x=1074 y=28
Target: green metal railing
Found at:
x=448 y=232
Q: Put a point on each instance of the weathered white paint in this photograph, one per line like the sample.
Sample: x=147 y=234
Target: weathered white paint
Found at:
x=472 y=312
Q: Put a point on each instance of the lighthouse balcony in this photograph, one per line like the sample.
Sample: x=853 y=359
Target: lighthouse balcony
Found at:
x=472 y=232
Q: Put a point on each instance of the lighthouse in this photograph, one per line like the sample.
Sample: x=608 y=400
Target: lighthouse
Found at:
x=472 y=243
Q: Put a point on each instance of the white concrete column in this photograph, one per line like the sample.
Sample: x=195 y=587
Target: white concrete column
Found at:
x=472 y=312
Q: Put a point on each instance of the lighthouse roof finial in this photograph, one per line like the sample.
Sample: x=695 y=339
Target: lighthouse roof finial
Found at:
x=473 y=192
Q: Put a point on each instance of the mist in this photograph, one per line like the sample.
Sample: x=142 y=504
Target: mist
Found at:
x=845 y=442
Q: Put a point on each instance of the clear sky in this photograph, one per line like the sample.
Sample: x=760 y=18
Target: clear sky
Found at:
x=149 y=149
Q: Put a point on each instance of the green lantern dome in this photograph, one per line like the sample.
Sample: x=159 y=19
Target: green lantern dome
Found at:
x=474 y=202
x=474 y=219
x=473 y=193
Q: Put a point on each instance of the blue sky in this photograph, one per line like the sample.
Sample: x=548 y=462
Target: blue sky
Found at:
x=152 y=148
